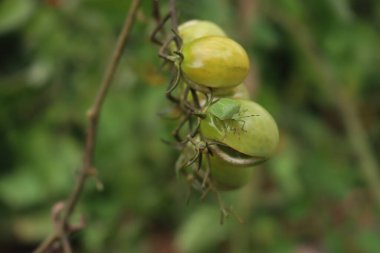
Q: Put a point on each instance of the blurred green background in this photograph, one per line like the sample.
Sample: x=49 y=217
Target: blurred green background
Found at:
x=315 y=67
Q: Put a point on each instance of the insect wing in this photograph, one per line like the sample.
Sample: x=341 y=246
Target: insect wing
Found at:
x=224 y=108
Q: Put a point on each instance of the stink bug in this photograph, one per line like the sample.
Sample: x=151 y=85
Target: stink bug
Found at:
x=226 y=112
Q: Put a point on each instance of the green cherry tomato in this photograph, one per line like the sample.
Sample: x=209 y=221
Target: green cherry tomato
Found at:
x=226 y=176
x=242 y=125
x=239 y=91
x=194 y=29
x=215 y=62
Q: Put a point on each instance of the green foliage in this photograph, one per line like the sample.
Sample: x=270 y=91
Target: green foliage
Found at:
x=14 y=14
x=313 y=194
x=199 y=233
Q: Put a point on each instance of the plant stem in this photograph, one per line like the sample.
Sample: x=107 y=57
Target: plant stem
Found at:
x=94 y=112
x=173 y=13
x=88 y=157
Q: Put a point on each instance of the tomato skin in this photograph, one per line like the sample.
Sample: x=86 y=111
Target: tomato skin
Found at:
x=194 y=29
x=257 y=138
x=226 y=176
x=223 y=175
x=239 y=91
x=215 y=62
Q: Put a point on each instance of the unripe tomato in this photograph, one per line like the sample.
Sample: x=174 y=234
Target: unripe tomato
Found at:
x=194 y=29
x=252 y=131
x=239 y=91
x=223 y=175
x=215 y=62
x=226 y=176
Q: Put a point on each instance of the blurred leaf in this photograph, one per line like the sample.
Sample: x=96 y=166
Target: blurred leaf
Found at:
x=352 y=56
x=47 y=168
x=201 y=232
x=32 y=227
x=265 y=231
x=14 y=13
x=21 y=189
x=284 y=168
x=264 y=35
x=342 y=9
x=40 y=72
x=368 y=241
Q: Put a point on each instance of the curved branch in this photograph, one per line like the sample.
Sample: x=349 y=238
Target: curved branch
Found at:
x=88 y=157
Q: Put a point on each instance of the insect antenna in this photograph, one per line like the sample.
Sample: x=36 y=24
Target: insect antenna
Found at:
x=247 y=116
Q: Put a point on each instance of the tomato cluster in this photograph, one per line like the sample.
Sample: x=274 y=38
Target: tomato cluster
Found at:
x=220 y=132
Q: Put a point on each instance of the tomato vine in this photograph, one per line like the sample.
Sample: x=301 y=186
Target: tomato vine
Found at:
x=206 y=66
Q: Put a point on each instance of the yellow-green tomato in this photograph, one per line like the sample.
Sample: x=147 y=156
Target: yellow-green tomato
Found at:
x=194 y=29
x=239 y=91
x=223 y=175
x=215 y=62
x=243 y=125
x=226 y=176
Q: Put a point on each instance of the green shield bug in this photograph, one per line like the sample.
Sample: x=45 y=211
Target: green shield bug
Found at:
x=224 y=108
x=227 y=113
x=260 y=139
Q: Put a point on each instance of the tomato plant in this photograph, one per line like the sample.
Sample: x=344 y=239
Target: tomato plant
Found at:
x=220 y=133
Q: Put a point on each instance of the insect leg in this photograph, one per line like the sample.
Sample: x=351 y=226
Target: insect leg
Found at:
x=242 y=127
x=225 y=128
x=240 y=119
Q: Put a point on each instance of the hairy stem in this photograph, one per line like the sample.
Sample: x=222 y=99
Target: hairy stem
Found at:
x=88 y=157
